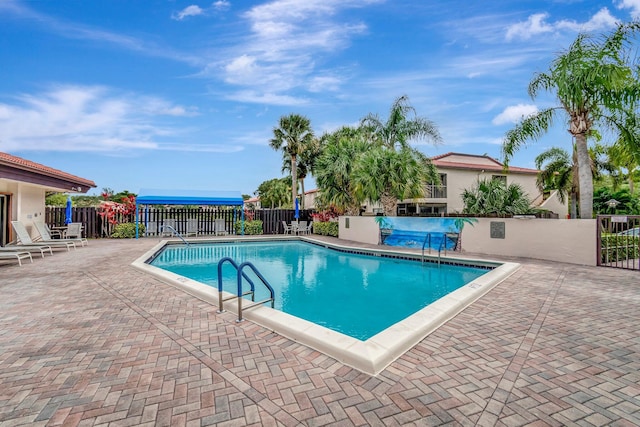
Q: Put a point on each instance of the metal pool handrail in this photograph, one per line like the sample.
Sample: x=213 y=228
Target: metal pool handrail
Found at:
x=235 y=265
x=175 y=232
x=264 y=281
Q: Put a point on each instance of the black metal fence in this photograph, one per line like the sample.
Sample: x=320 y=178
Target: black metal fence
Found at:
x=619 y=241
x=95 y=226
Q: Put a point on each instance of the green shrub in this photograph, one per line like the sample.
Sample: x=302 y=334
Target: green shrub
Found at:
x=325 y=228
x=619 y=248
x=250 y=227
x=127 y=230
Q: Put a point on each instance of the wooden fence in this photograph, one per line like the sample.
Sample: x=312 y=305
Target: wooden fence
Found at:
x=96 y=227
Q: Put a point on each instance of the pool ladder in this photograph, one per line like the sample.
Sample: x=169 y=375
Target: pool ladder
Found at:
x=240 y=294
x=174 y=231
x=443 y=244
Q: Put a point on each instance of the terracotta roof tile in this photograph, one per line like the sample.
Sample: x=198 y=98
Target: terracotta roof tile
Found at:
x=25 y=164
x=497 y=166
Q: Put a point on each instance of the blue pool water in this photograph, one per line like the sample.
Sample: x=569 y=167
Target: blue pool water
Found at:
x=357 y=295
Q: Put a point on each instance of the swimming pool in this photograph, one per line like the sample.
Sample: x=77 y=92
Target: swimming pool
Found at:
x=371 y=355
x=356 y=294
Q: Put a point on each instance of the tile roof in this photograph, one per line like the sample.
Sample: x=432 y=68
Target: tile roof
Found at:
x=28 y=165
x=492 y=165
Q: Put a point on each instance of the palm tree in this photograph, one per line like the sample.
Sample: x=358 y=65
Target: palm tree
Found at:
x=334 y=169
x=292 y=135
x=625 y=152
x=493 y=196
x=388 y=179
x=558 y=172
x=591 y=82
x=306 y=163
x=274 y=193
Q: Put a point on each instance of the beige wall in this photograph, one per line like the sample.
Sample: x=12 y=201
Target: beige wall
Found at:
x=27 y=202
x=572 y=241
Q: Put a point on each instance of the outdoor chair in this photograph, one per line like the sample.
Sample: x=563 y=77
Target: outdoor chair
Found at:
x=17 y=255
x=55 y=234
x=287 y=228
x=27 y=248
x=74 y=233
x=151 y=229
x=302 y=227
x=168 y=227
x=41 y=228
x=220 y=227
x=24 y=239
x=305 y=229
x=192 y=227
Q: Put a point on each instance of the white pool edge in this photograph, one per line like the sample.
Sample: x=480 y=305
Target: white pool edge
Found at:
x=371 y=356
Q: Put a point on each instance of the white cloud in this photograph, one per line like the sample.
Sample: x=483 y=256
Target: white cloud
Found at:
x=634 y=5
x=192 y=10
x=288 y=39
x=87 y=118
x=221 y=5
x=514 y=113
x=537 y=24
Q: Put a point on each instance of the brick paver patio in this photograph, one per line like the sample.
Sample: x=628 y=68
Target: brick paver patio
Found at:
x=87 y=340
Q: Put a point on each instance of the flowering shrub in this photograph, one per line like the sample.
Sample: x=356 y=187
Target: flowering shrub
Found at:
x=249 y=215
x=113 y=213
x=328 y=215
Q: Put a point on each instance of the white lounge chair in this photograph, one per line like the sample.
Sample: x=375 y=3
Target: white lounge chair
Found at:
x=168 y=227
x=17 y=255
x=28 y=248
x=25 y=239
x=42 y=229
x=151 y=229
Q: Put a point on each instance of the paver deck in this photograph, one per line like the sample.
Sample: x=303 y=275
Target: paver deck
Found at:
x=87 y=340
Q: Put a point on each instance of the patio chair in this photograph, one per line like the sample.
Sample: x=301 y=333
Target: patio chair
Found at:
x=305 y=230
x=192 y=227
x=55 y=234
x=24 y=239
x=74 y=233
x=42 y=229
x=151 y=229
x=17 y=255
x=302 y=227
x=220 y=227
x=168 y=227
x=287 y=228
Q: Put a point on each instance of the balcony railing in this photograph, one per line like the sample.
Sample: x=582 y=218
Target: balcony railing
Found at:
x=435 y=192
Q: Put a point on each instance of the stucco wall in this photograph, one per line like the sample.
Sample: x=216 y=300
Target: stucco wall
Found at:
x=562 y=240
x=27 y=203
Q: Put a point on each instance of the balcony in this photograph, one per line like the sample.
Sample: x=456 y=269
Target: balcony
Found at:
x=435 y=192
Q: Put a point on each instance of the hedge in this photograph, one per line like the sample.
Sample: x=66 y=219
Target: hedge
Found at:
x=325 y=228
x=250 y=227
x=619 y=248
x=127 y=230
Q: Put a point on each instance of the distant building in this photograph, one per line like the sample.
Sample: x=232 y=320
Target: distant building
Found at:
x=23 y=188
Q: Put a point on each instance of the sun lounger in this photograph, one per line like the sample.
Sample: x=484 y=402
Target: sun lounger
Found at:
x=17 y=255
x=28 y=248
x=25 y=239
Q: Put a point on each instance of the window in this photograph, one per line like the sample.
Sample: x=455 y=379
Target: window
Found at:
x=501 y=178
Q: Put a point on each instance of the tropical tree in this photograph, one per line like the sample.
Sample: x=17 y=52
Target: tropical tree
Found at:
x=293 y=135
x=592 y=82
x=306 y=163
x=494 y=196
x=334 y=169
x=624 y=154
x=274 y=193
x=626 y=203
x=396 y=168
x=557 y=172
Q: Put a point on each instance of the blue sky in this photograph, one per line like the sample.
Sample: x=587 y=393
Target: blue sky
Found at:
x=185 y=94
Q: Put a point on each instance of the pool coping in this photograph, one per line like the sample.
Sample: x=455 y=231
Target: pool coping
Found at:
x=371 y=356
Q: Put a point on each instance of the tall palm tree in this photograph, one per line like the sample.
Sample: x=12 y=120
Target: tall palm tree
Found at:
x=292 y=136
x=591 y=81
x=306 y=163
x=334 y=169
x=396 y=169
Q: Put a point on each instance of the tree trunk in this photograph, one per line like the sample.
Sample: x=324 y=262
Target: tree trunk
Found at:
x=585 y=177
x=630 y=182
x=302 y=198
x=573 y=202
x=294 y=180
x=388 y=204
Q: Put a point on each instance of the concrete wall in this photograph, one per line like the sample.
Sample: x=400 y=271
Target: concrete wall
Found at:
x=572 y=241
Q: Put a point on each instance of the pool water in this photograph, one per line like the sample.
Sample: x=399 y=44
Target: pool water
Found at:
x=357 y=295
